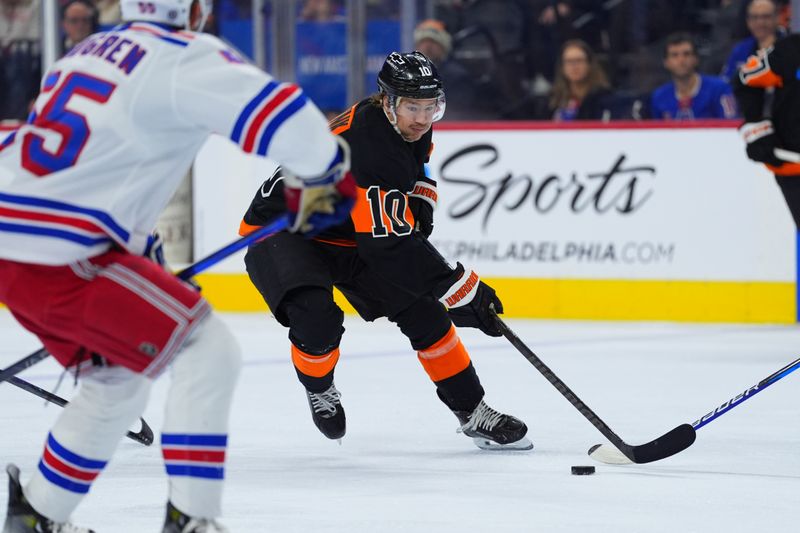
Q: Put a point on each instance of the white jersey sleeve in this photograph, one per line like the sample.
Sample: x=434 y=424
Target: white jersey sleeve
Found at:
x=118 y=123
x=215 y=89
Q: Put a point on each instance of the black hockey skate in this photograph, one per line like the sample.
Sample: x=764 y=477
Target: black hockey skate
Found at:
x=327 y=412
x=491 y=430
x=177 y=522
x=22 y=518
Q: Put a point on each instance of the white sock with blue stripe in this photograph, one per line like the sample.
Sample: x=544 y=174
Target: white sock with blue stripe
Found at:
x=195 y=432
x=84 y=438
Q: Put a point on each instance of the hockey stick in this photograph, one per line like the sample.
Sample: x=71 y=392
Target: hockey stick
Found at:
x=279 y=224
x=605 y=454
x=786 y=155
x=144 y=436
x=668 y=444
x=22 y=364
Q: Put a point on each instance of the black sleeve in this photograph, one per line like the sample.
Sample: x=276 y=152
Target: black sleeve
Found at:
x=750 y=100
x=267 y=203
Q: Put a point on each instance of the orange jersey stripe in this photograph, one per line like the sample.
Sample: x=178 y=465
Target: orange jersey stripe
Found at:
x=445 y=358
x=315 y=366
x=342 y=123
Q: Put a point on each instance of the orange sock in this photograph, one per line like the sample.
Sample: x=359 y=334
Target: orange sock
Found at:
x=445 y=358
x=315 y=366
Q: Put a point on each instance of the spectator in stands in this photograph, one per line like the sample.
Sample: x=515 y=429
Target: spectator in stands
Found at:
x=20 y=56
x=19 y=20
x=580 y=90
x=432 y=39
x=689 y=95
x=762 y=23
x=552 y=23
x=321 y=11
x=79 y=20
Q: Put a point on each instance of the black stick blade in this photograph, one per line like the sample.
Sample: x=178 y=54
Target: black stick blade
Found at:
x=144 y=436
x=667 y=445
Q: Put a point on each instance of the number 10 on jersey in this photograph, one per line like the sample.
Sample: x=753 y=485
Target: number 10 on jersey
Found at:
x=388 y=209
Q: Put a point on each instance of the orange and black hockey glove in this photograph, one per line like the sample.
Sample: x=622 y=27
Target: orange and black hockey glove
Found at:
x=761 y=142
x=470 y=301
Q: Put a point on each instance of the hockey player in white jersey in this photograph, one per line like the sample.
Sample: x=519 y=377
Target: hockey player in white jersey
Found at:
x=118 y=122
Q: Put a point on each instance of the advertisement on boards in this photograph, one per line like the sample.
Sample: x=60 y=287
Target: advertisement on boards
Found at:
x=622 y=204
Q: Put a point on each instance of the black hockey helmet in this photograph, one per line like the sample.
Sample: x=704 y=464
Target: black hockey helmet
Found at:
x=410 y=75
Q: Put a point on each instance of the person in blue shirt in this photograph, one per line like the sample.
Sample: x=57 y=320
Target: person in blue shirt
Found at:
x=763 y=25
x=690 y=95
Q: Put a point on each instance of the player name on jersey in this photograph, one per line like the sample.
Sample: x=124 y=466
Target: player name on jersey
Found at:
x=114 y=48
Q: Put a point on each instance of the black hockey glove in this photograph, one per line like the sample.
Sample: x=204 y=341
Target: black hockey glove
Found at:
x=469 y=301
x=422 y=202
x=761 y=142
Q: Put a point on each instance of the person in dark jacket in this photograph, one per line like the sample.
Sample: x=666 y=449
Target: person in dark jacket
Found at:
x=580 y=90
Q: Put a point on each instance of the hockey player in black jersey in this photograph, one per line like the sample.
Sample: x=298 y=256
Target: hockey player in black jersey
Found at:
x=382 y=261
x=777 y=126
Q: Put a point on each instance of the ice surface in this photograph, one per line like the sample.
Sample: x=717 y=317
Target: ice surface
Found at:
x=403 y=468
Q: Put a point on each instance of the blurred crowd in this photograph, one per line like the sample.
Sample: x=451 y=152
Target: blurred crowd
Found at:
x=20 y=44
x=558 y=60
x=601 y=60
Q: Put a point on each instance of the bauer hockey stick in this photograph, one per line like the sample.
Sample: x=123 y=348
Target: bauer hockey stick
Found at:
x=279 y=224
x=668 y=444
x=608 y=455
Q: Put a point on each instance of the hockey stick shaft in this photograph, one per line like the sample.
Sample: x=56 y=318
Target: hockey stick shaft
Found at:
x=279 y=224
x=672 y=442
x=187 y=273
x=23 y=363
x=746 y=395
x=144 y=436
x=560 y=386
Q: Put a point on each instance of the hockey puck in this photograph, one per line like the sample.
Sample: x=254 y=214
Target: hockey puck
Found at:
x=582 y=470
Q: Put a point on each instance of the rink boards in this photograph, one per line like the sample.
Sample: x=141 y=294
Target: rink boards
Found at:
x=639 y=222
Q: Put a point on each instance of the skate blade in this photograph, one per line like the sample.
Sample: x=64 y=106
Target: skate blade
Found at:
x=523 y=444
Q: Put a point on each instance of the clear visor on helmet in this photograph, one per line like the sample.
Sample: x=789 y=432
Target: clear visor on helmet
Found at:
x=420 y=109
